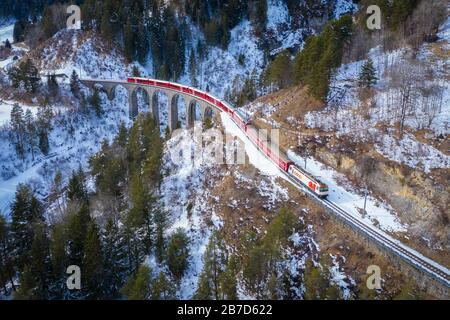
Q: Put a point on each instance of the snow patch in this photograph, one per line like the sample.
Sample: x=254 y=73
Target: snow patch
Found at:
x=378 y=214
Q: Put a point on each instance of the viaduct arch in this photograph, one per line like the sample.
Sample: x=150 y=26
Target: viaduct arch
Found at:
x=195 y=108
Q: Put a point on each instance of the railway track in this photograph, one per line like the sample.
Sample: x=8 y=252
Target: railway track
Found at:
x=409 y=255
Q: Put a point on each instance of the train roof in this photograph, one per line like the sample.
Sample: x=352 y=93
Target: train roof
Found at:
x=310 y=176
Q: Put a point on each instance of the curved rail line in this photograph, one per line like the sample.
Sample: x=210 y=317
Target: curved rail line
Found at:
x=409 y=255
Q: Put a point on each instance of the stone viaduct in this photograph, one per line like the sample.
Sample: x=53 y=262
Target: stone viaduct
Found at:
x=191 y=102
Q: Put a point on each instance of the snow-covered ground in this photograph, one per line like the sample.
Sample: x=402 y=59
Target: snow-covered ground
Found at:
x=74 y=139
x=343 y=7
x=431 y=72
x=76 y=136
x=346 y=197
x=342 y=194
x=184 y=184
x=256 y=158
x=279 y=25
x=6 y=32
x=70 y=51
x=5 y=111
x=221 y=71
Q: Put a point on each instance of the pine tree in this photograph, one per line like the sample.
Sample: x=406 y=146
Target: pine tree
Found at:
x=18 y=125
x=258 y=16
x=25 y=74
x=106 y=27
x=279 y=71
x=274 y=287
x=43 y=122
x=26 y=210
x=16 y=76
x=215 y=260
x=315 y=282
x=139 y=287
x=162 y=288
x=178 y=254
x=136 y=72
x=40 y=265
x=160 y=228
x=77 y=228
x=52 y=84
x=27 y=287
x=7 y=44
x=367 y=75
x=193 y=69
x=31 y=76
x=255 y=270
x=122 y=137
x=137 y=224
x=31 y=132
x=43 y=142
x=6 y=258
x=321 y=55
x=96 y=103
x=59 y=261
x=115 y=259
x=47 y=23
x=204 y=289
x=44 y=117
x=74 y=83
x=142 y=43
x=128 y=41
x=76 y=189
x=19 y=30
x=228 y=281
x=93 y=264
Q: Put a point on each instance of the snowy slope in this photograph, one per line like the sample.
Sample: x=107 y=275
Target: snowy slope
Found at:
x=346 y=197
x=5 y=111
x=221 y=70
x=6 y=32
x=74 y=139
x=351 y=122
x=76 y=136
x=72 y=50
x=343 y=7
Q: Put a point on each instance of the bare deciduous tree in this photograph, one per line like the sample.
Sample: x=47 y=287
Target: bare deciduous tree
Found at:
x=404 y=78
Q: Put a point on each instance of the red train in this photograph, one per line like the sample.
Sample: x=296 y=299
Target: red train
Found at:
x=314 y=184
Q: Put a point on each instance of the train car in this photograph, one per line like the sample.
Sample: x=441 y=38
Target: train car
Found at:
x=210 y=99
x=174 y=86
x=187 y=90
x=163 y=84
x=132 y=80
x=199 y=94
x=314 y=184
x=268 y=149
x=238 y=120
x=223 y=107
